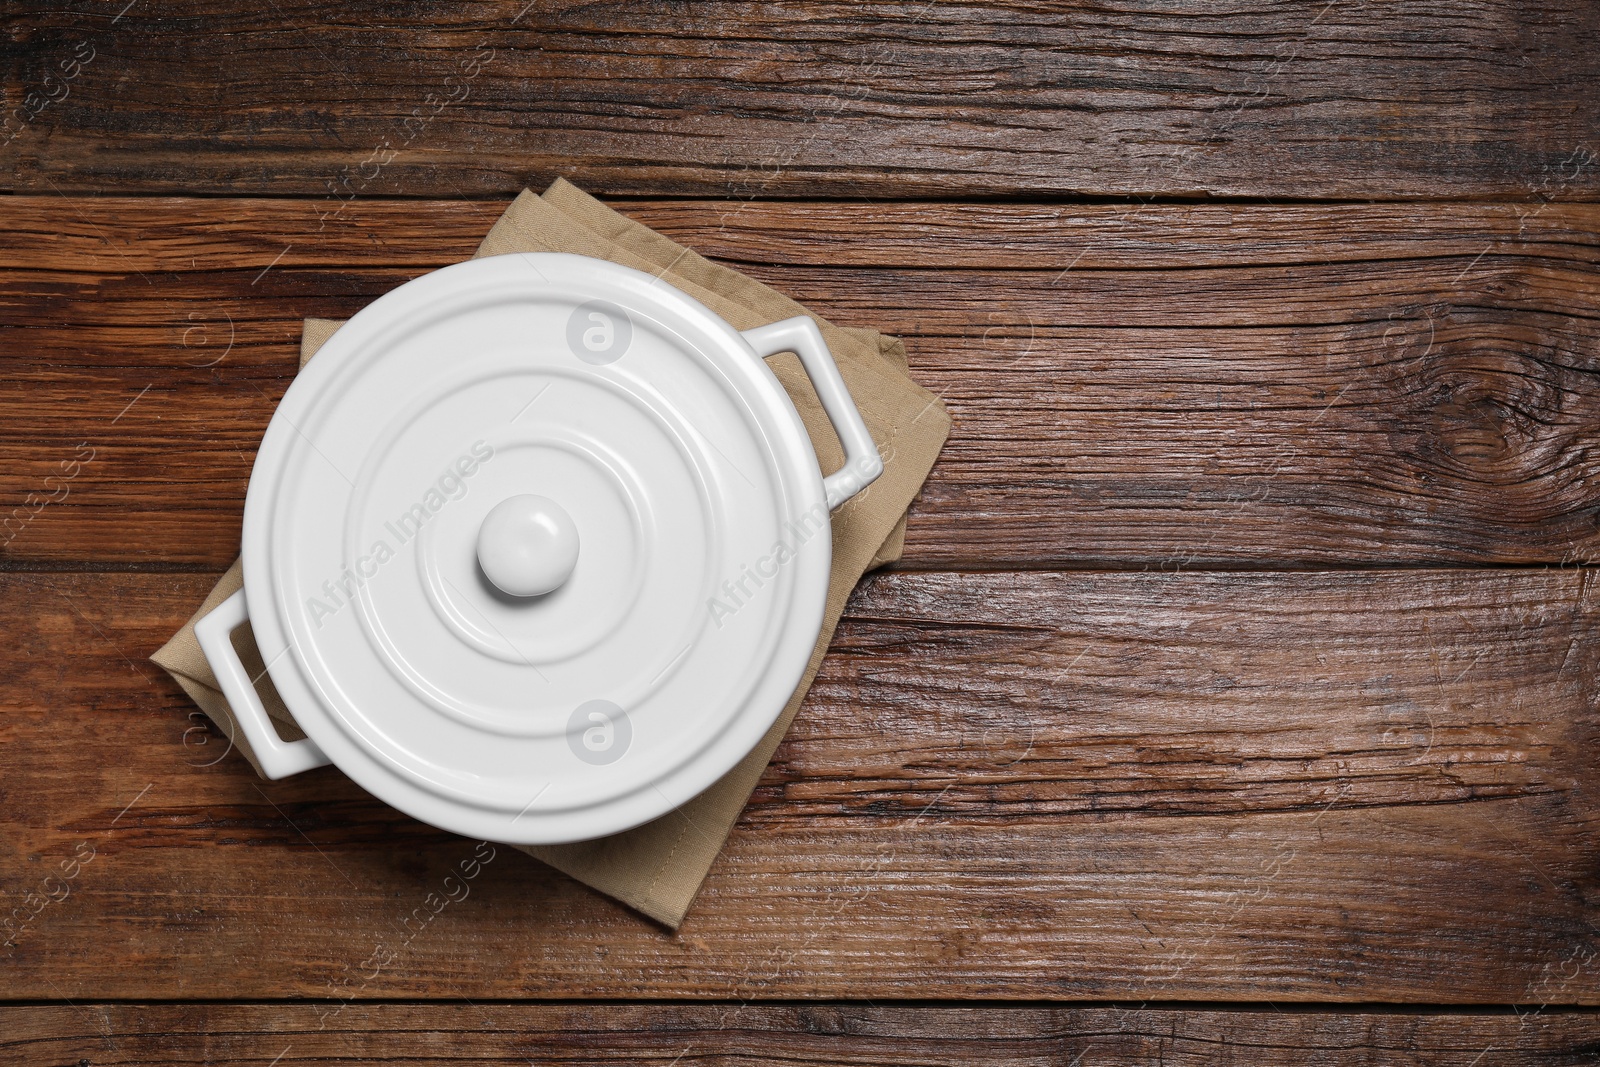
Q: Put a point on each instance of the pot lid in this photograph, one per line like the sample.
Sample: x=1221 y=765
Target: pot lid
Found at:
x=536 y=548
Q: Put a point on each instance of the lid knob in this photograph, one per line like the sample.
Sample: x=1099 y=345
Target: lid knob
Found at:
x=528 y=545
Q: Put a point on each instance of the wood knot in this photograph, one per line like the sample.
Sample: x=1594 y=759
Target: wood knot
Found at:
x=1484 y=402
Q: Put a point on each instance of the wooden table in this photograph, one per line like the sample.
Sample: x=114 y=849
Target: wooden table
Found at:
x=1236 y=700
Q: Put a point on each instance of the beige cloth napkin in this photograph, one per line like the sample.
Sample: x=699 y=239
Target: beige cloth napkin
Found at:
x=657 y=868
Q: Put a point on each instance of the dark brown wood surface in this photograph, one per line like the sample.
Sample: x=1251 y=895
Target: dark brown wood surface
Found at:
x=1245 y=387
x=1340 y=786
x=802 y=1036
x=1427 y=99
x=1237 y=698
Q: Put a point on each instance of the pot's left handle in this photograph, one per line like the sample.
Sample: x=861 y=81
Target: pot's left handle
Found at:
x=862 y=463
x=278 y=758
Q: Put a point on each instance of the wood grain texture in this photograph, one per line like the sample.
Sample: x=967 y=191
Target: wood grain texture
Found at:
x=436 y=1035
x=1206 y=386
x=889 y=99
x=1358 y=786
x=1032 y=781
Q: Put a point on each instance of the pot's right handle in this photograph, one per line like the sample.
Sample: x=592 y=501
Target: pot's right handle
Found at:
x=800 y=335
x=278 y=758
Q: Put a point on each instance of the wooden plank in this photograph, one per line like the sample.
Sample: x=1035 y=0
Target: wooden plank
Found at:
x=331 y=1035
x=1206 y=386
x=890 y=99
x=1347 y=786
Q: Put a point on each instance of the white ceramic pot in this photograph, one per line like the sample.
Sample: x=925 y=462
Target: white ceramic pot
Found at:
x=536 y=548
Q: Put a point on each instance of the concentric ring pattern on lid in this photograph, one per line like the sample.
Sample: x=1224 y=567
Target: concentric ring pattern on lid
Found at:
x=539 y=544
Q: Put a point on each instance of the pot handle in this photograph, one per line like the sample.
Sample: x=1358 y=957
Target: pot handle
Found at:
x=800 y=335
x=278 y=758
